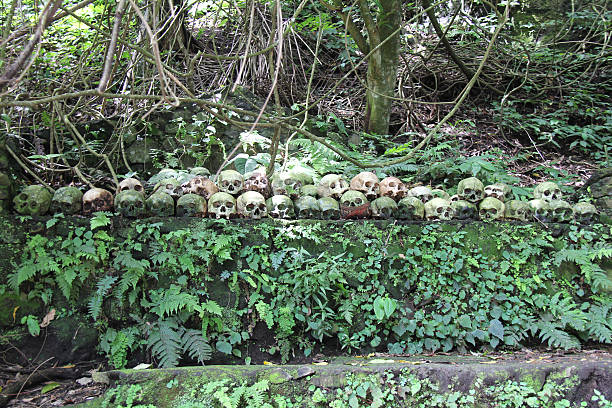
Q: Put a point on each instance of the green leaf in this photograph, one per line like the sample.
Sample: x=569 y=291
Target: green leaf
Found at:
x=49 y=387
x=224 y=347
x=99 y=220
x=496 y=328
x=465 y=321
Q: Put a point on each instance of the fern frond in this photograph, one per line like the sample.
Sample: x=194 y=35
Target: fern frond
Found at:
x=165 y=342
x=554 y=336
x=196 y=346
x=600 y=323
x=170 y=301
x=104 y=285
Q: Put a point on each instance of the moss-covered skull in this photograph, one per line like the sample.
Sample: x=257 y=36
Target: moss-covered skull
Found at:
x=131 y=184
x=330 y=209
x=438 y=209
x=500 y=191
x=257 y=181
x=332 y=185
x=422 y=193
x=252 y=204
x=287 y=184
x=130 y=203
x=354 y=204
x=308 y=190
x=160 y=204
x=518 y=210
x=169 y=186
x=541 y=210
x=163 y=174
x=33 y=200
x=470 y=189
x=547 y=191
x=222 y=205
x=490 y=209
x=561 y=211
x=67 y=200
x=307 y=207
x=410 y=208
x=200 y=171
x=191 y=205
x=438 y=192
x=585 y=213
x=392 y=187
x=231 y=182
x=464 y=210
x=200 y=185
x=367 y=183
x=383 y=208
x=97 y=199
x=281 y=207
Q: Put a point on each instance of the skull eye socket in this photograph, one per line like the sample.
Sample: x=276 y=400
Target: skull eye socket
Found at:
x=229 y=205
x=281 y=207
x=250 y=206
x=225 y=183
x=391 y=184
x=332 y=185
x=358 y=201
x=368 y=184
x=138 y=188
x=236 y=183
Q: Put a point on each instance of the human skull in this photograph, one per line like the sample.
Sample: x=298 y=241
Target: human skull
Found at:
x=541 y=210
x=286 y=184
x=201 y=186
x=470 y=189
x=330 y=209
x=230 y=182
x=169 y=186
x=332 y=185
x=252 y=204
x=67 y=200
x=130 y=203
x=307 y=207
x=464 y=210
x=500 y=191
x=547 y=191
x=561 y=211
x=438 y=209
x=160 y=204
x=257 y=181
x=383 y=207
x=308 y=190
x=454 y=198
x=438 y=192
x=411 y=208
x=222 y=205
x=191 y=205
x=200 y=171
x=33 y=200
x=490 y=209
x=354 y=204
x=367 y=183
x=392 y=187
x=422 y=193
x=163 y=174
x=97 y=199
x=131 y=184
x=281 y=207
x=518 y=210
x=585 y=213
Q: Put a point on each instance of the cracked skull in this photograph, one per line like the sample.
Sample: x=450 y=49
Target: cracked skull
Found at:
x=411 y=208
x=470 y=189
x=131 y=184
x=490 y=209
x=169 y=186
x=547 y=191
x=330 y=209
x=67 y=200
x=252 y=204
x=130 y=203
x=422 y=193
x=33 y=200
x=383 y=207
x=257 y=181
x=230 y=182
x=281 y=207
x=518 y=210
x=160 y=204
x=500 y=191
x=561 y=211
x=541 y=210
x=438 y=209
x=191 y=205
x=201 y=186
x=222 y=205
x=464 y=210
x=392 y=187
x=286 y=184
x=354 y=204
x=332 y=185
x=307 y=207
x=367 y=183
x=585 y=213
x=97 y=199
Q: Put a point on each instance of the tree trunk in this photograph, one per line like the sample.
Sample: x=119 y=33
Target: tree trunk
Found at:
x=382 y=68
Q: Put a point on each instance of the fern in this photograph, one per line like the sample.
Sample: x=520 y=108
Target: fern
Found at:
x=165 y=342
x=600 y=323
x=196 y=346
x=94 y=305
x=554 y=336
x=167 y=302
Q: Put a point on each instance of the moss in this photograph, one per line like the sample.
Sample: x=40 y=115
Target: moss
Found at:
x=14 y=306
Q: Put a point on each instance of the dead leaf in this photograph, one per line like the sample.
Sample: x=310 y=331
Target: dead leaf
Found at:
x=48 y=318
x=381 y=361
x=489 y=362
x=321 y=363
x=15 y=312
x=142 y=366
x=268 y=363
x=84 y=380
